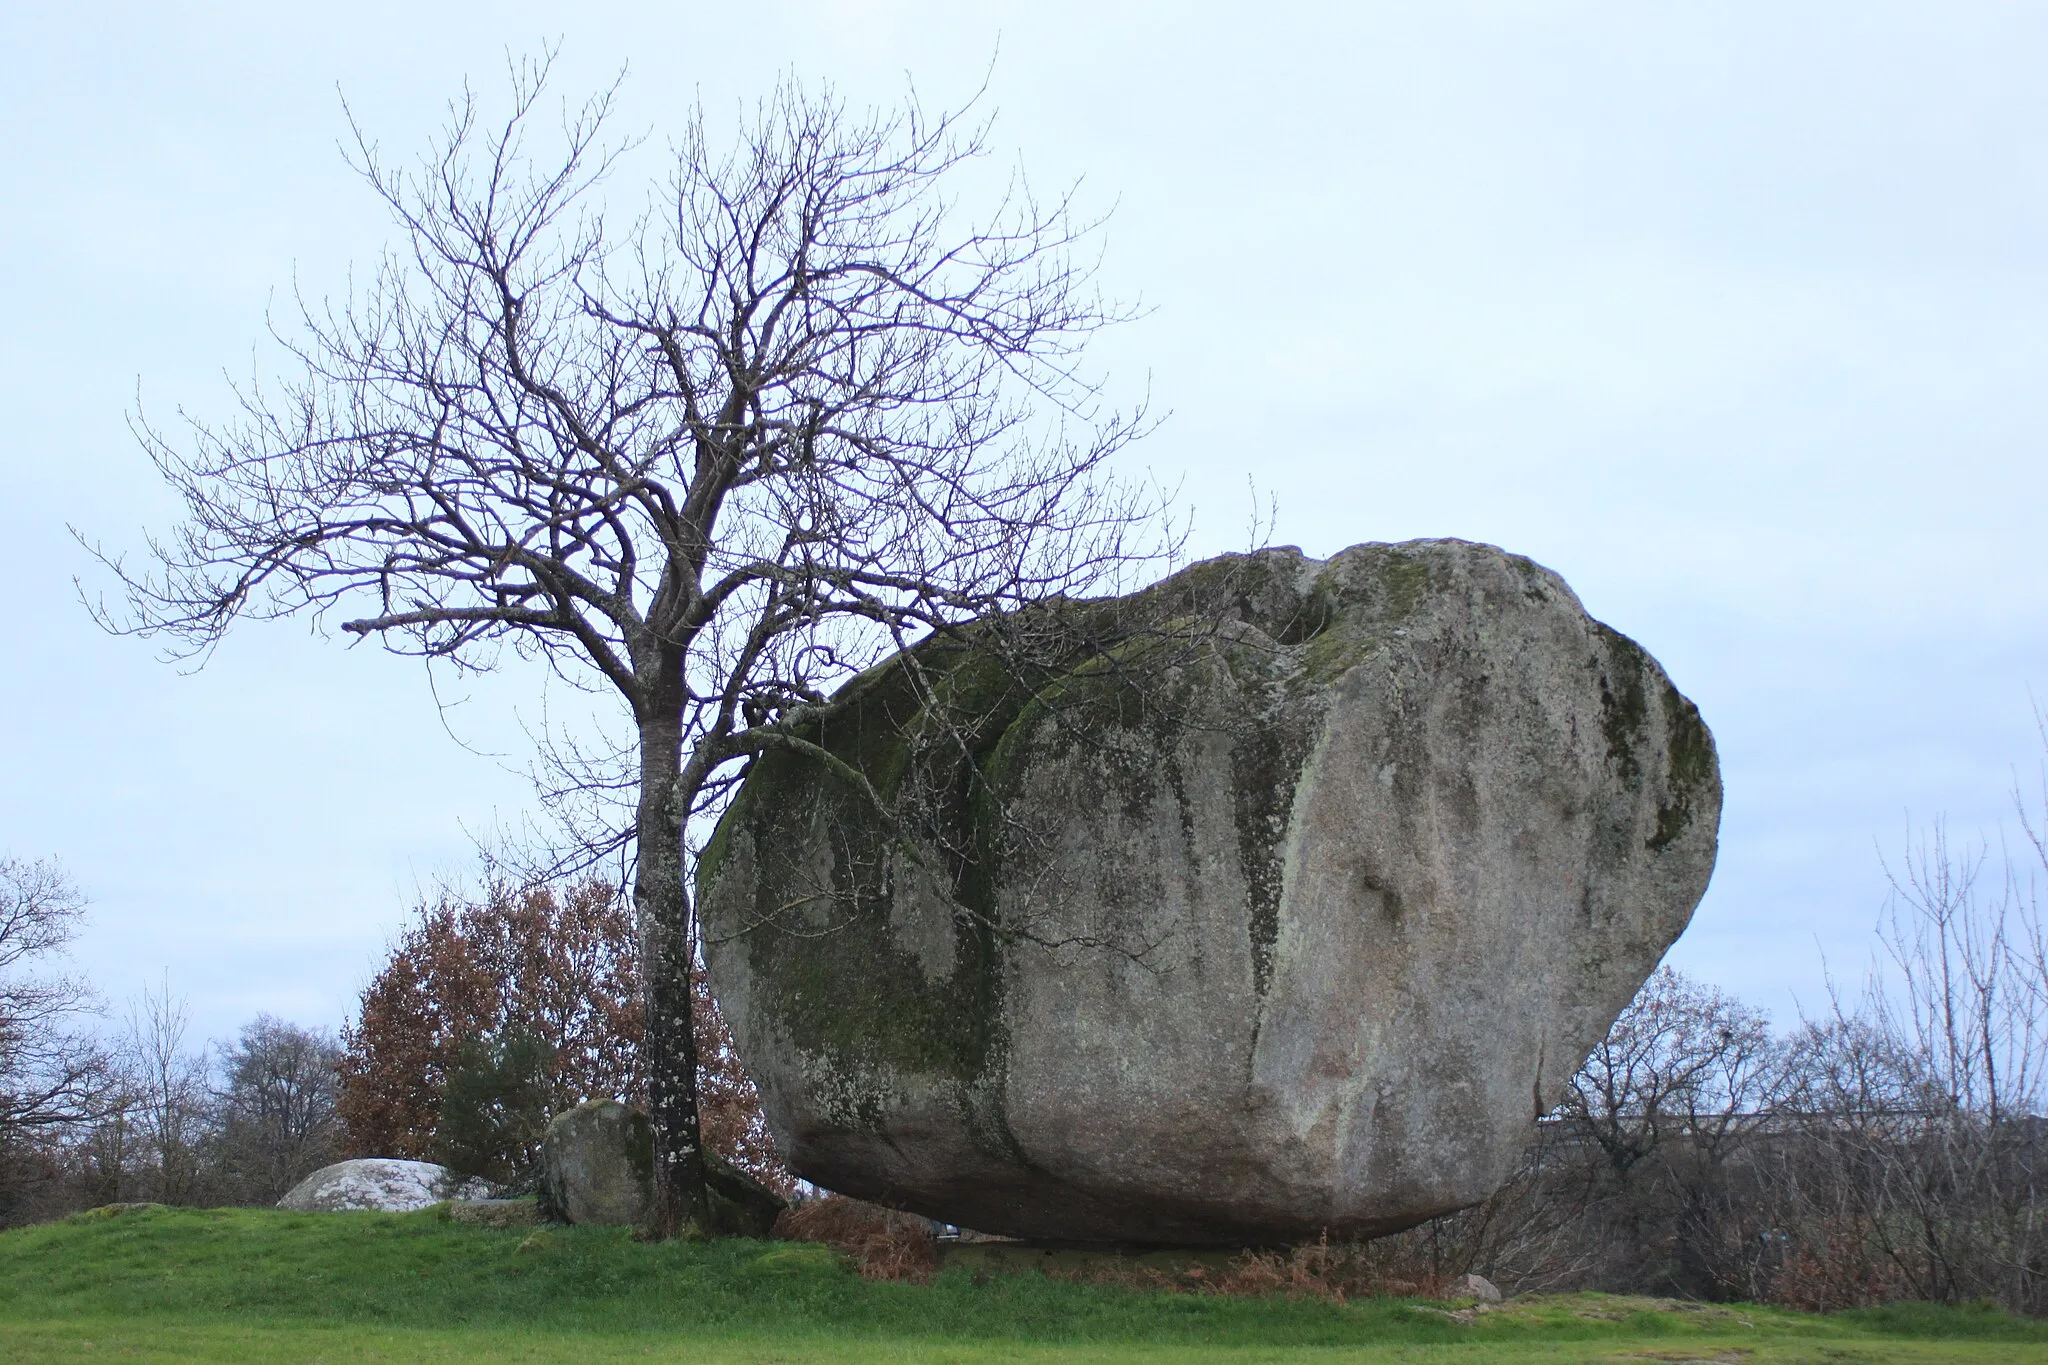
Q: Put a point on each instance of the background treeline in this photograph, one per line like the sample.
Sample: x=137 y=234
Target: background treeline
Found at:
x=1893 y=1147
x=491 y=1014
x=132 y=1112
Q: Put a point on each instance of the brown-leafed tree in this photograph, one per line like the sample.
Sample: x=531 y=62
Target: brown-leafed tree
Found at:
x=802 y=412
x=553 y=968
x=413 y=1016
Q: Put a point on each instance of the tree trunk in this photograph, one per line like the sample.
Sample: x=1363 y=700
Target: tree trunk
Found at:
x=661 y=901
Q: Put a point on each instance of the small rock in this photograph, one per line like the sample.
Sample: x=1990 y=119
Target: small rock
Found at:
x=1475 y=1287
x=381 y=1185
x=741 y=1206
x=597 y=1166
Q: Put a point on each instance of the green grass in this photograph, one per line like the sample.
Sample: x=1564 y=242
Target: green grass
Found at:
x=180 y=1284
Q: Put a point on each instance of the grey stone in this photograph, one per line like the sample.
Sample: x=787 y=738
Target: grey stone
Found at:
x=741 y=1206
x=597 y=1166
x=381 y=1184
x=1218 y=934
x=1478 y=1287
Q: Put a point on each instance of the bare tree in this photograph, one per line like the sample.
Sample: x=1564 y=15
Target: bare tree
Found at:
x=1682 y=1058
x=1910 y=1148
x=277 y=1121
x=1955 y=1197
x=799 y=415
x=164 y=1094
x=1851 y=1091
x=52 y=1073
x=1965 y=990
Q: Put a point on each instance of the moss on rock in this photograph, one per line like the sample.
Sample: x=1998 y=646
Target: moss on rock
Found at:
x=1281 y=880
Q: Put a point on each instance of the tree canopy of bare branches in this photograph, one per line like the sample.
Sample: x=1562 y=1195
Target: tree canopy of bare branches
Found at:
x=1682 y=1058
x=802 y=411
x=52 y=1074
x=277 y=1119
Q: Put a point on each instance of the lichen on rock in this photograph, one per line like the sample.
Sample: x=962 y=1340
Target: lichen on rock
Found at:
x=597 y=1166
x=381 y=1185
x=1272 y=900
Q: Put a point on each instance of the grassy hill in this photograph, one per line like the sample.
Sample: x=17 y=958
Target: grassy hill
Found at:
x=188 y=1284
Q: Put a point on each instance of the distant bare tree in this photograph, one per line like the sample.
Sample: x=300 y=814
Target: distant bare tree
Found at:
x=1682 y=1058
x=163 y=1096
x=1966 y=992
x=52 y=1073
x=798 y=416
x=1937 y=1116
x=276 y=1107
x=1850 y=1090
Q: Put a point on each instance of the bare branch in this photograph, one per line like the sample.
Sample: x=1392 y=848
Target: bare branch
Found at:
x=804 y=411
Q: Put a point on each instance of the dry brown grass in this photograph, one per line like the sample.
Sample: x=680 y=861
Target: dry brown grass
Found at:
x=1836 y=1265
x=1334 y=1272
x=885 y=1244
x=1321 y=1270
x=882 y=1243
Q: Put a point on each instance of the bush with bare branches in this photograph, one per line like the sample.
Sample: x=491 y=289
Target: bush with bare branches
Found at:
x=1895 y=1149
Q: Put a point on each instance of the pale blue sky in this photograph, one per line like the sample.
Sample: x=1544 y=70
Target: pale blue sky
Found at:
x=1733 y=314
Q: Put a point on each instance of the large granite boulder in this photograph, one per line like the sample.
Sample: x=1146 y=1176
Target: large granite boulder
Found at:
x=597 y=1166
x=1278 y=903
x=382 y=1185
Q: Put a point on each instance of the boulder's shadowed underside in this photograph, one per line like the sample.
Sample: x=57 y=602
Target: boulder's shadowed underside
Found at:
x=1277 y=904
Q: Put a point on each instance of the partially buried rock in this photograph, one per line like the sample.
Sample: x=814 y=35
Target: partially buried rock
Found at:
x=1277 y=903
x=383 y=1185
x=1475 y=1286
x=597 y=1166
x=741 y=1206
